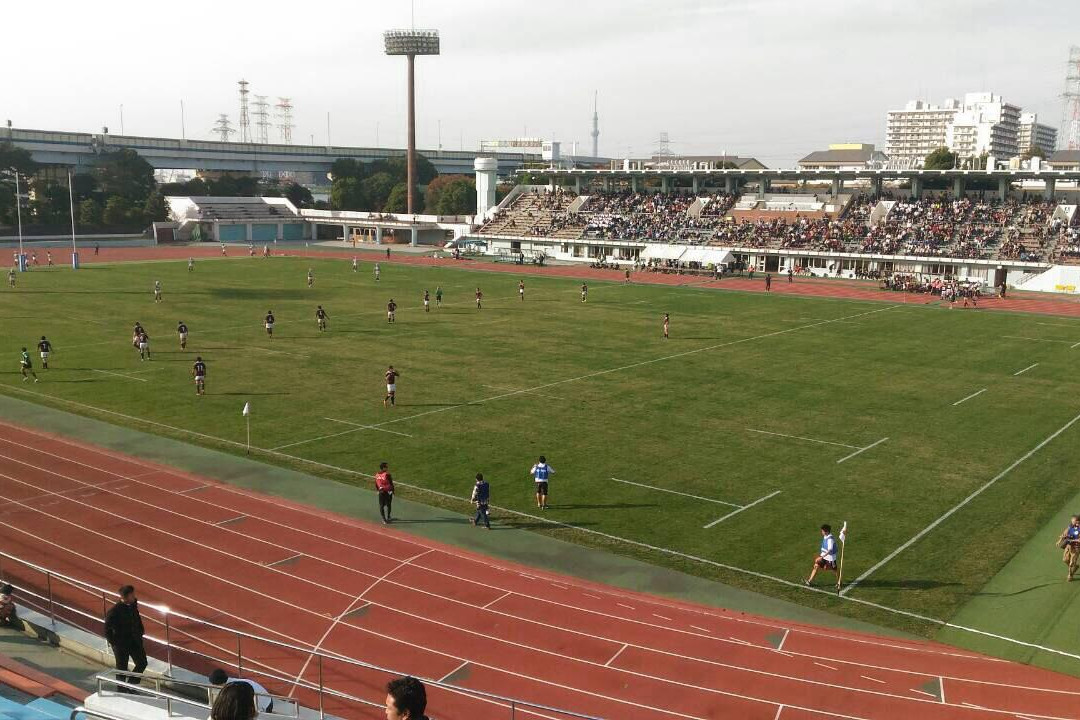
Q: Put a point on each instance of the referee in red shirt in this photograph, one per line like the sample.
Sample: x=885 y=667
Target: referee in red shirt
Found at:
x=385 y=485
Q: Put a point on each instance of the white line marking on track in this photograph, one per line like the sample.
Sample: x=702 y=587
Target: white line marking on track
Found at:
x=194 y=489
x=367 y=427
x=617 y=654
x=800 y=437
x=282 y=561
x=744 y=507
x=1021 y=372
x=230 y=520
x=349 y=609
x=780 y=646
x=594 y=597
x=941 y=686
x=974 y=394
x=734 y=639
x=628 y=607
x=830 y=667
x=119 y=375
x=561 y=587
x=676 y=492
x=450 y=674
x=505 y=595
x=867 y=677
x=779 y=709
x=701 y=629
x=923 y=692
x=662 y=617
x=861 y=450
x=598 y=533
x=988 y=484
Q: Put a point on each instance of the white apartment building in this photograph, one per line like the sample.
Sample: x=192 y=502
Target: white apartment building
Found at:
x=1033 y=134
x=916 y=131
x=982 y=124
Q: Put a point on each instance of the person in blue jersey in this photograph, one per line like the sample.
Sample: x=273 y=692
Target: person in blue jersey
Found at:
x=540 y=472
x=1070 y=543
x=481 y=495
x=826 y=557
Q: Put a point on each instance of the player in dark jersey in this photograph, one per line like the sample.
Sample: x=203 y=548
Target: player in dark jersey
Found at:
x=384 y=483
x=479 y=297
x=438 y=296
x=584 y=292
x=181 y=330
x=427 y=301
x=391 y=309
x=768 y=282
x=48 y=258
x=26 y=366
x=321 y=317
x=391 y=386
x=667 y=323
x=144 y=346
x=198 y=371
x=44 y=348
x=269 y=323
x=136 y=331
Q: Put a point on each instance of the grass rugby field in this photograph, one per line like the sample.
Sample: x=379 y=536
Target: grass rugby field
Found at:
x=747 y=411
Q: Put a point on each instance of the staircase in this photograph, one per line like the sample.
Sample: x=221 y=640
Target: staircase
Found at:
x=36 y=709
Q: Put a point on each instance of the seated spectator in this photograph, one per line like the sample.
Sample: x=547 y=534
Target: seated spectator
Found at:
x=263 y=701
x=236 y=701
x=406 y=699
x=8 y=618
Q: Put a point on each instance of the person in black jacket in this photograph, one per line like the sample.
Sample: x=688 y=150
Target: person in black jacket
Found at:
x=124 y=631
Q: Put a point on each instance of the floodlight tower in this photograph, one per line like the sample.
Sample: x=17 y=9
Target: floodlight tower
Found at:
x=411 y=43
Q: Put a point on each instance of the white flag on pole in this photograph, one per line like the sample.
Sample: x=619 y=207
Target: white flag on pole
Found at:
x=247 y=409
x=843 y=533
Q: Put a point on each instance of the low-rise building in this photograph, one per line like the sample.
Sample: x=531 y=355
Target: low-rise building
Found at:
x=845 y=156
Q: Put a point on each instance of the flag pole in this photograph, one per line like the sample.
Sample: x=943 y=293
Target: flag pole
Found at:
x=843 y=545
x=247 y=421
x=71 y=205
x=18 y=214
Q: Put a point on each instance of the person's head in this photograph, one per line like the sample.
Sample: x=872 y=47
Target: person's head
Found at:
x=24 y=349
x=826 y=529
x=479 y=477
x=543 y=459
x=6 y=589
x=383 y=466
x=127 y=594
x=269 y=312
x=390 y=367
x=1074 y=520
x=218 y=677
x=42 y=337
x=236 y=701
x=198 y=358
x=406 y=699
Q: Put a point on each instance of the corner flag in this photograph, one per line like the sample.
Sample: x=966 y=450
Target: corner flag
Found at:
x=247 y=411
x=843 y=530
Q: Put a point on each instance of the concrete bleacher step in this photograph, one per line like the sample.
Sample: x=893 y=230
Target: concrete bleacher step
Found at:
x=50 y=707
x=39 y=709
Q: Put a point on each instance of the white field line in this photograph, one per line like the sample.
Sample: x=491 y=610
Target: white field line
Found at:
x=119 y=375
x=779 y=709
x=1029 y=367
x=367 y=427
x=941 y=686
x=987 y=485
x=1023 y=337
x=346 y=611
x=607 y=371
x=499 y=387
x=350 y=569
x=677 y=492
x=635 y=543
x=861 y=450
x=744 y=507
x=1074 y=345
x=800 y=437
x=965 y=399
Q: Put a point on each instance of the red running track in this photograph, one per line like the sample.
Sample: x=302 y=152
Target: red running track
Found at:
x=304 y=576
x=806 y=287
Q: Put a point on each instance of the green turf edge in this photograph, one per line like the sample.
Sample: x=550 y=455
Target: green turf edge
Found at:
x=439 y=519
x=1028 y=599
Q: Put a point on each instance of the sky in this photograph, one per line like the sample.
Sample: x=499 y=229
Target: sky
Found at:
x=772 y=79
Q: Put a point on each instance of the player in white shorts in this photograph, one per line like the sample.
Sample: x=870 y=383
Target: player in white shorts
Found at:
x=181 y=330
x=157 y=291
x=269 y=324
x=355 y=265
x=376 y=272
x=391 y=385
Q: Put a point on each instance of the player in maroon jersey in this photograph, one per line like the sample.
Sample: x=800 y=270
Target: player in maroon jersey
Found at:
x=391 y=386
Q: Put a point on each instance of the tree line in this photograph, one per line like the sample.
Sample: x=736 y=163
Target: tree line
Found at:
x=382 y=186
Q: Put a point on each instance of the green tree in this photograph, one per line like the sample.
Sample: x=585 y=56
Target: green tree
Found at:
x=50 y=203
x=377 y=189
x=940 y=159
x=13 y=160
x=347 y=168
x=124 y=173
x=117 y=210
x=347 y=193
x=451 y=195
x=83 y=185
x=397 y=201
x=89 y=213
x=298 y=195
x=155 y=209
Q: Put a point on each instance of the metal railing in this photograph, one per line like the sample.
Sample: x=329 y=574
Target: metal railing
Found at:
x=202 y=646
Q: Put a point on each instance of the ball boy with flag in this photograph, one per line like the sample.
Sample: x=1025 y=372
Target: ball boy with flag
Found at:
x=826 y=558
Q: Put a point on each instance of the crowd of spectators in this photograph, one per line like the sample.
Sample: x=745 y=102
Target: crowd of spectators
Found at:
x=948 y=289
x=536 y=213
x=648 y=216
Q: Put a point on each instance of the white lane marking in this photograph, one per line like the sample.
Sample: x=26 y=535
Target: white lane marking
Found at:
x=867 y=677
x=505 y=595
x=974 y=394
x=617 y=654
x=780 y=646
x=366 y=427
x=676 y=492
x=1022 y=337
x=988 y=484
x=1021 y=372
x=282 y=561
x=662 y=617
x=500 y=387
x=800 y=437
x=628 y=607
x=744 y=507
x=701 y=629
x=830 y=667
x=861 y=450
